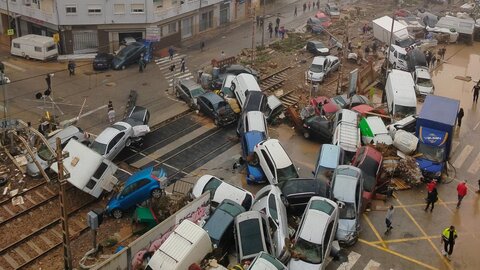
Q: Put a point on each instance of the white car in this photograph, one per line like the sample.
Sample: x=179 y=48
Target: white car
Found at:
x=268 y=200
x=398 y=57
x=346 y=191
x=275 y=162
x=265 y=261
x=320 y=68
x=43 y=154
x=220 y=190
x=314 y=237
x=113 y=139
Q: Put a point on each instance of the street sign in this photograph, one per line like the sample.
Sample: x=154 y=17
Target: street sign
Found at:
x=10 y=32
x=56 y=38
x=152 y=33
x=352 y=87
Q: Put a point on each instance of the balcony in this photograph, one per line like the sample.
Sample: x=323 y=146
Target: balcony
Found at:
x=170 y=12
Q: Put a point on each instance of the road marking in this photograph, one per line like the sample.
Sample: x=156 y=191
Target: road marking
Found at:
x=175 y=168
x=14 y=66
x=476 y=126
x=352 y=259
x=475 y=165
x=425 y=234
x=463 y=156
x=402 y=240
x=454 y=146
x=372 y=265
x=398 y=255
x=374 y=230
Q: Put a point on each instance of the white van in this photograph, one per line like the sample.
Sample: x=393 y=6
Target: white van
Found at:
x=398 y=57
x=242 y=84
x=400 y=91
x=89 y=171
x=253 y=120
x=188 y=244
x=34 y=46
x=346 y=132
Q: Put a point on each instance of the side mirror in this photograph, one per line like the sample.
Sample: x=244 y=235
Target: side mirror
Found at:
x=340 y=204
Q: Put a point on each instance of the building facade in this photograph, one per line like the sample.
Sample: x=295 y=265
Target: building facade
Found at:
x=87 y=26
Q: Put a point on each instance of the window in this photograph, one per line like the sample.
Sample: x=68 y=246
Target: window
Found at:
x=158 y=4
x=118 y=8
x=91 y=184
x=71 y=9
x=172 y=28
x=94 y=10
x=138 y=8
x=51 y=48
x=269 y=163
x=38 y=49
x=16 y=45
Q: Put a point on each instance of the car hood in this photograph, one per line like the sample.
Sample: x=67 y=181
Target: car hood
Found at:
x=322 y=50
x=32 y=168
x=346 y=227
x=315 y=75
x=301 y=265
x=425 y=90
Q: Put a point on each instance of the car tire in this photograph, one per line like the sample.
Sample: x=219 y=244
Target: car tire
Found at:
x=157 y=193
x=177 y=94
x=117 y=213
x=216 y=122
x=394 y=65
x=306 y=135
x=27 y=57
x=128 y=142
x=3 y=180
x=123 y=67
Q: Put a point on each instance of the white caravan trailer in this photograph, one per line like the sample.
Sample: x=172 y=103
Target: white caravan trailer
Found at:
x=89 y=171
x=34 y=46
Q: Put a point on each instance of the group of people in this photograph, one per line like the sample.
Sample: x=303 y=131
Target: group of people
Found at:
x=279 y=30
x=310 y=5
x=434 y=59
x=449 y=234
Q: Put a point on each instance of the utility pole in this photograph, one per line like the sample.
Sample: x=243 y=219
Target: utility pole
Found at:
x=67 y=256
x=389 y=45
x=263 y=24
x=253 y=33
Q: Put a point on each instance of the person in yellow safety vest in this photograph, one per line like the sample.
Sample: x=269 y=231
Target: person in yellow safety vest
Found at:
x=237 y=267
x=448 y=238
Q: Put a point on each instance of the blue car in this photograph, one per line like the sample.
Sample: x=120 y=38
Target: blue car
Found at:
x=138 y=188
x=254 y=171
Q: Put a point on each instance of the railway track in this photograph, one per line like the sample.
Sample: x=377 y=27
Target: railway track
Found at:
x=274 y=80
x=42 y=240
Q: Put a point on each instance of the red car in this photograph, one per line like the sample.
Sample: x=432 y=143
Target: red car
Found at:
x=324 y=19
x=364 y=109
x=369 y=160
x=328 y=106
x=403 y=13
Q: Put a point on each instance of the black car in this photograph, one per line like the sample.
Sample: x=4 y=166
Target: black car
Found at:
x=138 y=116
x=102 y=61
x=238 y=69
x=212 y=105
x=317 y=48
x=188 y=91
x=255 y=101
x=318 y=127
x=298 y=191
x=128 y=55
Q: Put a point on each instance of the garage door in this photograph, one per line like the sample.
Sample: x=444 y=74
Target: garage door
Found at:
x=85 y=41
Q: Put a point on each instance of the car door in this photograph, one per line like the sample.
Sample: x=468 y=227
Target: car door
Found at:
x=327 y=240
x=116 y=145
x=203 y=106
x=336 y=64
x=126 y=200
x=209 y=110
x=267 y=167
x=185 y=94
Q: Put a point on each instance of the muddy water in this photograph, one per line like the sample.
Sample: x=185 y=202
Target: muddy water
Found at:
x=460 y=60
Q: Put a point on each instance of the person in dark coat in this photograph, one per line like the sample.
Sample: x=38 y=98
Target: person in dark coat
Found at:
x=432 y=197
x=460 y=115
x=475 y=91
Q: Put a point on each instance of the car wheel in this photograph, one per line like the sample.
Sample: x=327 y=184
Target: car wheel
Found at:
x=27 y=57
x=216 y=122
x=123 y=67
x=306 y=135
x=157 y=193
x=117 y=213
x=177 y=94
x=128 y=142
x=394 y=65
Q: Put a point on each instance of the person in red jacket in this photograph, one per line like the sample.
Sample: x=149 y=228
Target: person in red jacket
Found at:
x=431 y=185
x=462 y=191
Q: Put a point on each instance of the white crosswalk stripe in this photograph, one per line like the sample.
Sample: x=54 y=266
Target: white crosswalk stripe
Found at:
x=352 y=259
x=475 y=165
x=372 y=265
x=164 y=66
x=460 y=159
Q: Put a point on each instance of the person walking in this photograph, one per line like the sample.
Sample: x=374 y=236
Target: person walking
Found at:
x=388 y=219
x=182 y=65
x=171 y=52
x=444 y=51
x=110 y=112
x=277 y=21
x=71 y=68
x=141 y=63
x=318 y=4
x=433 y=60
x=461 y=191
x=428 y=57
x=460 y=115
x=431 y=185
x=432 y=198
x=449 y=235
x=304 y=7
x=475 y=90
x=222 y=55
x=202 y=46
x=48 y=80
x=309 y=5
x=276 y=31
x=295 y=12
x=270 y=30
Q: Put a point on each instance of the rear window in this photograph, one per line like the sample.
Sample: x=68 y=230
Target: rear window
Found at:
x=51 y=48
x=322 y=206
x=99 y=172
x=119 y=127
x=212 y=185
x=251 y=237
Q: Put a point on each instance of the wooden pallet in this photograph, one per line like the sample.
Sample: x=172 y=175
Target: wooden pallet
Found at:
x=274 y=81
x=400 y=184
x=289 y=99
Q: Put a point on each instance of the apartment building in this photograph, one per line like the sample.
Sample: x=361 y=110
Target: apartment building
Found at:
x=87 y=26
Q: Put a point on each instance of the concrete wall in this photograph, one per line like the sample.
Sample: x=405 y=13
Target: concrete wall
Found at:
x=46 y=12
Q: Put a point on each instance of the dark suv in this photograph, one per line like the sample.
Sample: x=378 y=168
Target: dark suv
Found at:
x=102 y=61
x=213 y=106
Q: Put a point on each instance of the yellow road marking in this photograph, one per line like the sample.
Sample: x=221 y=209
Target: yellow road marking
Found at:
x=445 y=204
x=425 y=234
x=399 y=255
x=400 y=240
x=375 y=231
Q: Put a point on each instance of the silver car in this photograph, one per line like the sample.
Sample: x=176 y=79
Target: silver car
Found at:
x=270 y=202
x=113 y=139
x=346 y=191
x=251 y=235
x=44 y=154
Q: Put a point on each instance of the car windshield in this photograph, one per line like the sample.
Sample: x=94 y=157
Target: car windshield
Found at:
x=348 y=211
x=316 y=68
x=286 y=173
x=323 y=19
x=403 y=111
x=212 y=185
x=121 y=54
x=333 y=9
x=44 y=153
x=425 y=82
x=327 y=172
x=431 y=152
x=319 y=45
x=369 y=168
x=99 y=147
x=119 y=127
x=197 y=92
x=251 y=237
x=309 y=252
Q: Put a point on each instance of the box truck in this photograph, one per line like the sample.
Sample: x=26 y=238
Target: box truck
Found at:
x=435 y=126
x=381 y=31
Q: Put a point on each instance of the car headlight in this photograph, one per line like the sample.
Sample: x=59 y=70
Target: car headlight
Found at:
x=438 y=174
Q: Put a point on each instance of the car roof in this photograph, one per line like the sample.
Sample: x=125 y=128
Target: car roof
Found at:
x=315 y=221
x=373 y=153
x=145 y=173
x=224 y=191
x=106 y=135
x=277 y=152
x=213 y=98
x=377 y=126
x=330 y=155
x=63 y=134
x=252 y=138
x=319 y=60
x=190 y=84
x=344 y=186
x=228 y=80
